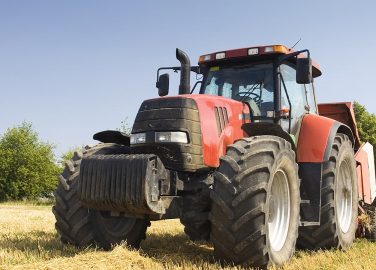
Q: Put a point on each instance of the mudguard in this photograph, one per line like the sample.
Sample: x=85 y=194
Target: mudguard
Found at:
x=316 y=137
x=112 y=136
x=263 y=128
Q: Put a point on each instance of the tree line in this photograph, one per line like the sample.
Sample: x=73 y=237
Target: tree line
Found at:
x=29 y=166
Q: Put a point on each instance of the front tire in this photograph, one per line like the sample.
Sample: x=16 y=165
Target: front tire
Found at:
x=111 y=230
x=255 y=203
x=339 y=201
x=81 y=226
x=195 y=215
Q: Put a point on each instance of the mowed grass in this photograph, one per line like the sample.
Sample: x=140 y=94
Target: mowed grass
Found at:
x=28 y=240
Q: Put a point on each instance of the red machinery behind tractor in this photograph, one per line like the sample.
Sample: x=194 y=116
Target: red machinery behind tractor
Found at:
x=250 y=162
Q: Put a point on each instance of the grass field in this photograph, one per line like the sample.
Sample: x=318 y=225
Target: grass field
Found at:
x=28 y=240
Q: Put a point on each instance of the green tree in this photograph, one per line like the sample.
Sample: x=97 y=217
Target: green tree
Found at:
x=124 y=127
x=366 y=123
x=27 y=165
x=68 y=155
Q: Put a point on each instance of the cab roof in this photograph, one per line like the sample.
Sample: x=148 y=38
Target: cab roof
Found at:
x=265 y=51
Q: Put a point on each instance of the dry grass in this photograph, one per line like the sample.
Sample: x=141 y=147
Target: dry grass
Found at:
x=28 y=240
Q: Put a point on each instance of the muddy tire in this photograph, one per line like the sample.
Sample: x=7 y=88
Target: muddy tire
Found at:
x=255 y=203
x=80 y=226
x=372 y=233
x=370 y=230
x=339 y=201
x=195 y=215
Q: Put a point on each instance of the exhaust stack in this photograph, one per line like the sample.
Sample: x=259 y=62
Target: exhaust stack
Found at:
x=185 y=72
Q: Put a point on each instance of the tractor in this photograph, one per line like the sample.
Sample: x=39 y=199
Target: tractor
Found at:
x=245 y=158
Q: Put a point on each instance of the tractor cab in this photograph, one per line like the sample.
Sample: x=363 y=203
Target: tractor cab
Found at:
x=274 y=81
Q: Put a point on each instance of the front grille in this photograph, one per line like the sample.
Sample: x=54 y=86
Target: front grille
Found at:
x=221 y=117
x=172 y=114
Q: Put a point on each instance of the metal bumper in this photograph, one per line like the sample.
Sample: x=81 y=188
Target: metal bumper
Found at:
x=124 y=183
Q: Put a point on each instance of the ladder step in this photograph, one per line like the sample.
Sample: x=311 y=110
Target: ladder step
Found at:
x=308 y=223
x=305 y=202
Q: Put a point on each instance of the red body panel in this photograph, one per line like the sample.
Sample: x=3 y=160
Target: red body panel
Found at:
x=362 y=169
x=342 y=112
x=313 y=138
x=214 y=146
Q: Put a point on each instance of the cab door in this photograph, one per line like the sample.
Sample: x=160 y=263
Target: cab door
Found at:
x=301 y=97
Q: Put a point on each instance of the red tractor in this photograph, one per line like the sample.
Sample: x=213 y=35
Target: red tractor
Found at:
x=250 y=162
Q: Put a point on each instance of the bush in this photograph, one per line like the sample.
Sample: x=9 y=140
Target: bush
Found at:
x=124 y=127
x=68 y=155
x=366 y=123
x=27 y=165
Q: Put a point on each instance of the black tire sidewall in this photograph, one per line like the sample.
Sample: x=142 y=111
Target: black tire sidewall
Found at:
x=346 y=155
x=285 y=161
x=110 y=230
x=94 y=222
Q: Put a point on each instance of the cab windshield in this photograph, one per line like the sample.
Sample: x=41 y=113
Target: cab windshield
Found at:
x=252 y=84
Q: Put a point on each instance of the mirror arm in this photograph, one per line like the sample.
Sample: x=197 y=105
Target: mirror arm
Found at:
x=195 y=69
x=164 y=68
x=290 y=55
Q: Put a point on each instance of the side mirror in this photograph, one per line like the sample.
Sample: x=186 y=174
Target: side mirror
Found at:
x=304 y=70
x=163 y=84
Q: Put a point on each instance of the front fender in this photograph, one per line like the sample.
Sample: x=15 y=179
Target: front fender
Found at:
x=112 y=136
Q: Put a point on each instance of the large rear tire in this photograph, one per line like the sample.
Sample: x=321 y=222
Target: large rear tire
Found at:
x=81 y=226
x=339 y=201
x=255 y=203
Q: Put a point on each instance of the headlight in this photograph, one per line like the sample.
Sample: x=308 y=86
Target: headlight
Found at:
x=138 y=138
x=173 y=136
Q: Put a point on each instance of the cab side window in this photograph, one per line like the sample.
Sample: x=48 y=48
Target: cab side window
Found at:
x=311 y=98
x=296 y=92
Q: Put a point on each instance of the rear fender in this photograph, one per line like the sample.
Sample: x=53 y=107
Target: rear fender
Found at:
x=342 y=112
x=316 y=137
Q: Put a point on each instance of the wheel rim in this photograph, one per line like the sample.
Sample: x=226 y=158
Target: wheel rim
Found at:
x=279 y=211
x=344 y=197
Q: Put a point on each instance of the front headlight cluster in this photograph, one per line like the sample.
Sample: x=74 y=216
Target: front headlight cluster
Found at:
x=175 y=136
x=161 y=137
x=138 y=138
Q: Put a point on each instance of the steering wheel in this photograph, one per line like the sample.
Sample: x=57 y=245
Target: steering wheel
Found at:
x=254 y=96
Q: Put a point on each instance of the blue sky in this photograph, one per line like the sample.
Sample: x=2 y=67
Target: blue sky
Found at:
x=75 y=67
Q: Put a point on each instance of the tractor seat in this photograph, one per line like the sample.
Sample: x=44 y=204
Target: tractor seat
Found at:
x=255 y=110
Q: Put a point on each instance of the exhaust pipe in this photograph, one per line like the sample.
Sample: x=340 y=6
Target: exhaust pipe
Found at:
x=185 y=72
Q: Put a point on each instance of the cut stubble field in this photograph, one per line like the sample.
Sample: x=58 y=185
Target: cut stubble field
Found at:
x=28 y=240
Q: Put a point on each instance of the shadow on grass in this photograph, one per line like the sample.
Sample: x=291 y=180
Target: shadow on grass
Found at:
x=177 y=248
x=38 y=243
x=162 y=248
